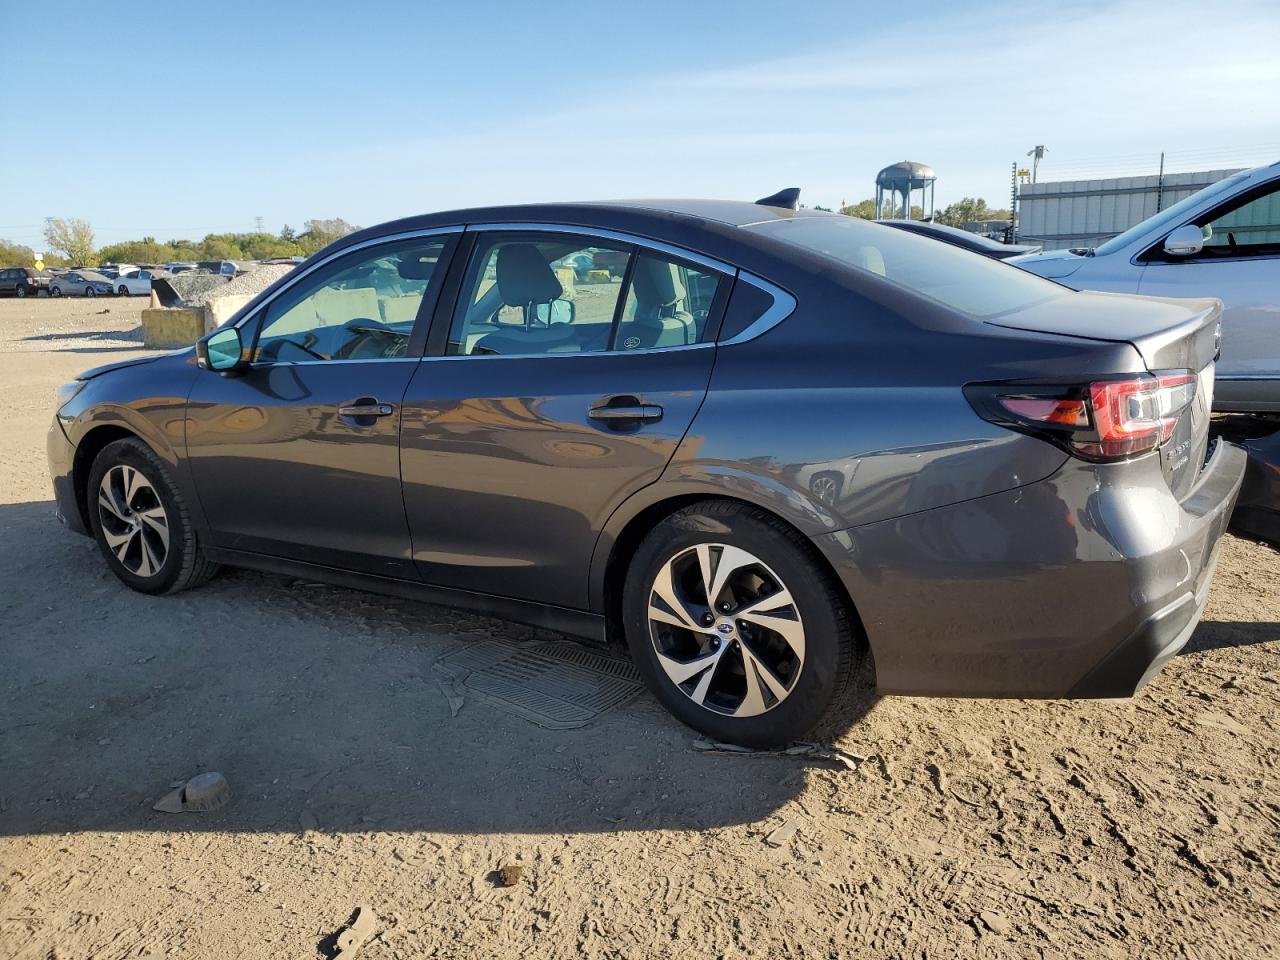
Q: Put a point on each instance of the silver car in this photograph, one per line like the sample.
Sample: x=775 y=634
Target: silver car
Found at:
x=1222 y=242
x=80 y=283
x=137 y=283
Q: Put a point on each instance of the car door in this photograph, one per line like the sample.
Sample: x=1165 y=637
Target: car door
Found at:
x=1240 y=265
x=299 y=456
x=565 y=378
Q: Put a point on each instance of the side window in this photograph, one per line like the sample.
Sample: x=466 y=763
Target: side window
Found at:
x=528 y=293
x=747 y=304
x=1251 y=228
x=668 y=303
x=361 y=307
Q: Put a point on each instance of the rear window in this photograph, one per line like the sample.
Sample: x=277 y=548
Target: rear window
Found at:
x=965 y=281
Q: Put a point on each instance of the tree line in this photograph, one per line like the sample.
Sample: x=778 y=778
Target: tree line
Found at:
x=957 y=214
x=71 y=243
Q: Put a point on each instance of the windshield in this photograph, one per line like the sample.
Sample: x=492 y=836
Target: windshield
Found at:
x=1167 y=217
x=959 y=278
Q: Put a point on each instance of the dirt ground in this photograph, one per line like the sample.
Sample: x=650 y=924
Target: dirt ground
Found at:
x=1142 y=828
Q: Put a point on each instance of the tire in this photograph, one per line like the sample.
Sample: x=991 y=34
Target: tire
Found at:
x=128 y=531
x=810 y=660
x=55 y=291
x=123 y=290
x=20 y=291
x=90 y=292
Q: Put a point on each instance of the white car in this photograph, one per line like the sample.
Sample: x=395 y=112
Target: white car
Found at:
x=134 y=284
x=1222 y=242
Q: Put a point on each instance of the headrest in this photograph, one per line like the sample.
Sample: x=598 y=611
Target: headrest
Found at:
x=656 y=282
x=524 y=276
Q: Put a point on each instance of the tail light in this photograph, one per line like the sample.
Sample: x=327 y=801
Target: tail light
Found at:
x=1112 y=419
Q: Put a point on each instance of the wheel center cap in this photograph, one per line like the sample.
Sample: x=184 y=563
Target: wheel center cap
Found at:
x=726 y=628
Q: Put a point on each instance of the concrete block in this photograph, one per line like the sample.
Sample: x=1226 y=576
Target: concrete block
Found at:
x=168 y=328
x=219 y=309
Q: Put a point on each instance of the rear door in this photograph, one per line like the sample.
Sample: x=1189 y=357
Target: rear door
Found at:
x=299 y=457
x=565 y=379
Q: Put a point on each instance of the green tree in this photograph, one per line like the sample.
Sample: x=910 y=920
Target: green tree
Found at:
x=16 y=255
x=965 y=211
x=866 y=210
x=863 y=210
x=74 y=238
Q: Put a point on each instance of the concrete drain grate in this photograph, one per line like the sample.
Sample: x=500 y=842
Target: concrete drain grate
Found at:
x=555 y=685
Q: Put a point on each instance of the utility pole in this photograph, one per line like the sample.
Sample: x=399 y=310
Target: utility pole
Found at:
x=1013 y=207
x=1036 y=154
x=258 y=223
x=1160 y=185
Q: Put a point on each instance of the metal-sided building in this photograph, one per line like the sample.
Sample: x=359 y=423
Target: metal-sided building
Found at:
x=1083 y=213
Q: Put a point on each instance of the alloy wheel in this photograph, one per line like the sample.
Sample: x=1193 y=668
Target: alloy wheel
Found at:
x=726 y=630
x=134 y=522
x=21 y=291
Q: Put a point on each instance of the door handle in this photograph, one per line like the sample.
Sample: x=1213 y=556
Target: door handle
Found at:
x=366 y=407
x=626 y=412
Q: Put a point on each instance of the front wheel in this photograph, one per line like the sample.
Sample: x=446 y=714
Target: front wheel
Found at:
x=123 y=291
x=737 y=626
x=89 y=292
x=21 y=291
x=141 y=522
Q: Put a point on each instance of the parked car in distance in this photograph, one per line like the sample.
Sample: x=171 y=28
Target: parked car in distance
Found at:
x=1224 y=242
x=23 y=282
x=179 y=266
x=137 y=283
x=963 y=238
x=79 y=283
x=1023 y=498
x=225 y=268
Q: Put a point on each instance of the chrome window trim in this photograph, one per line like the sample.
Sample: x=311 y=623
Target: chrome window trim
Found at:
x=784 y=304
x=301 y=274
x=680 y=252
x=260 y=364
x=579 y=353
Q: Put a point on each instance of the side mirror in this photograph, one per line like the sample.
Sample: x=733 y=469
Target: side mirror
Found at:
x=1186 y=241
x=557 y=311
x=221 y=350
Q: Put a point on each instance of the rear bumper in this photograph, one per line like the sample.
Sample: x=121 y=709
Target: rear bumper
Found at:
x=62 y=455
x=1079 y=585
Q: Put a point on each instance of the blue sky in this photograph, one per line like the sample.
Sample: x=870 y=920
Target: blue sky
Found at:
x=187 y=119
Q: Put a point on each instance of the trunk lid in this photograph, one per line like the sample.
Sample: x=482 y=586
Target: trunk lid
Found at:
x=1168 y=334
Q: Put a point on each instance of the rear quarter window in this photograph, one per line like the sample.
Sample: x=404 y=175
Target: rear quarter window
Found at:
x=966 y=281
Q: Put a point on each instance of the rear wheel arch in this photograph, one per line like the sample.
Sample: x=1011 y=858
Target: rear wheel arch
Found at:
x=628 y=539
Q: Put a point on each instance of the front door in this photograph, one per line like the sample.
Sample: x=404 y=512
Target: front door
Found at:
x=299 y=457
x=572 y=371
x=1240 y=265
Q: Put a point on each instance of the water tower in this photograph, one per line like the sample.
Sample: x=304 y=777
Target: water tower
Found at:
x=899 y=181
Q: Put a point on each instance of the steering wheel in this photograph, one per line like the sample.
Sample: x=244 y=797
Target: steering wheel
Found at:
x=366 y=329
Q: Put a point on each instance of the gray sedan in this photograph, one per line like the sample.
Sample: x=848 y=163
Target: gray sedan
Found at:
x=82 y=283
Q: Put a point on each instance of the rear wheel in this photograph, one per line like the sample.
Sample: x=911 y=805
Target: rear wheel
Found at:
x=737 y=626
x=55 y=291
x=141 y=522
